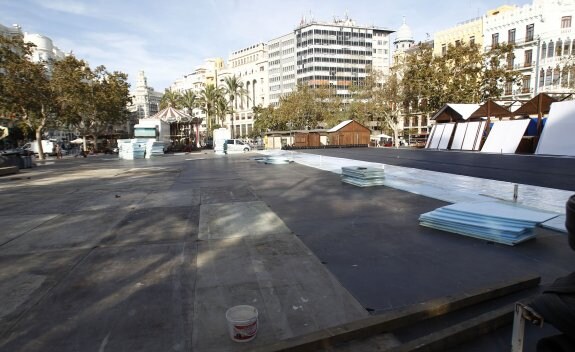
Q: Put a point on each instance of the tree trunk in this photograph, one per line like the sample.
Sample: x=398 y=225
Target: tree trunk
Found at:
x=38 y=134
x=85 y=144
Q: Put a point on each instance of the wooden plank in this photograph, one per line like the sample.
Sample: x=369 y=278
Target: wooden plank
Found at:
x=397 y=319
x=460 y=333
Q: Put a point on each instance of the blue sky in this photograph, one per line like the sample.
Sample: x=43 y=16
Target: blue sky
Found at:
x=169 y=38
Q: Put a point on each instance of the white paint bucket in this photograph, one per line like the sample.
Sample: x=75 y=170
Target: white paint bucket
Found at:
x=242 y=323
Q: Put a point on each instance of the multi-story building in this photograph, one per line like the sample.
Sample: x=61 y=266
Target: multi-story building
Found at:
x=334 y=54
x=45 y=50
x=542 y=35
x=211 y=71
x=250 y=66
x=145 y=102
x=340 y=54
x=281 y=67
x=15 y=30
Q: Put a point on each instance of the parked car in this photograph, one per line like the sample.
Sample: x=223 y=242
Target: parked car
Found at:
x=236 y=145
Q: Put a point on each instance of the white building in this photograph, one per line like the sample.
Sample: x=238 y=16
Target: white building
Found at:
x=211 y=71
x=145 y=101
x=11 y=31
x=334 y=54
x=281 y=67
x=340 y=54
x=544 y=43
x=250 y=66
x=45 y=49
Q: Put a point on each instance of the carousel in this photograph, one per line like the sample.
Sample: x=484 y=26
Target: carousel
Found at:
x=184 y=128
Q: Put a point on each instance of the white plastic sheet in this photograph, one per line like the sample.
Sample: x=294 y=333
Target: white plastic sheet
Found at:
x=436 y=136
x=459 y=136
x=505 y=136
x=446 y=135
x=557 y=136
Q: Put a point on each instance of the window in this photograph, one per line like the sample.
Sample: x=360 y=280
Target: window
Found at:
x=528 y=58
x=494 y=40
x=529 y=32
x=556 y=76
x=543 y=51
x=550 y=50
x=511 y=36
x=471 y=40
x=443 y=49
x=541 y=78
x=548 y=76
x=564 y=78
x=526 y=84
x=566 y=22
x=510 y=60
x=508 y=89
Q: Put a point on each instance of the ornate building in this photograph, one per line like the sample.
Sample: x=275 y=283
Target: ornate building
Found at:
x=544 y=45
x=145 y=102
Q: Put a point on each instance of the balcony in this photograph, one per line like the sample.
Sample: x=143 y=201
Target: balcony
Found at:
x=526 y=66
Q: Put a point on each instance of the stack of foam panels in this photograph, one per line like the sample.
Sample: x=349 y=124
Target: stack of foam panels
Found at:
x=154 y=148
x=490 y=220
x=131 y=149
x=362 y=176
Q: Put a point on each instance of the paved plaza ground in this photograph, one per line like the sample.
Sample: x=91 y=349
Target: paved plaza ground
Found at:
x=101 y=254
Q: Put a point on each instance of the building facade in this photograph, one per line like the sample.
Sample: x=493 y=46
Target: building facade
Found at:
x=281 y=67
x=211 y=71
x=543 y=36
x=145 y=102
x=335 y=55
x=250 y=66
x=340 y=54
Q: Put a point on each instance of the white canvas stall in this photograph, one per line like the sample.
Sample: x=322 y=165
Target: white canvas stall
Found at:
x=505 y=136
x=446 y=135
x=436 y=137
x=557 y=136
x=459 y=135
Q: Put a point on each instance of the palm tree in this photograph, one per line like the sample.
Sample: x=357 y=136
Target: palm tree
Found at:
x=209 y=97
x=222 y=108
x=170 y=98
x=190 y=101
x=234 y=89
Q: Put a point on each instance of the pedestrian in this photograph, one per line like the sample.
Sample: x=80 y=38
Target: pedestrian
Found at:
x=58 y=151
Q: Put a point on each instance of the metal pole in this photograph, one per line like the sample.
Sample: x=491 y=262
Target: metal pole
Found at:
x=536 y=88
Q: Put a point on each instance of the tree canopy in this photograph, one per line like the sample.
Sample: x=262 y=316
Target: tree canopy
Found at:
x=63 y=92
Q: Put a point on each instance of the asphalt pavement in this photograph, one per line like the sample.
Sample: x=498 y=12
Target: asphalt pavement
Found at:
x=101 y=254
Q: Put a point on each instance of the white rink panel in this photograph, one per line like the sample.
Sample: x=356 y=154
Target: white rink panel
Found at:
x=505 y=136
x=459 y=135
x=557 y=136
x=436 y=138
x=446 y=135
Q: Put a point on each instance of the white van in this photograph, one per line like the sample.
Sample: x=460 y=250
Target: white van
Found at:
x=236 y=145
x=47 y=147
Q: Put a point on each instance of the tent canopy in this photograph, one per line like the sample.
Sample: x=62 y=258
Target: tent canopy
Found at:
x=490 y=109
x=454 y=112
x=541 y=103
x=170 y=115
